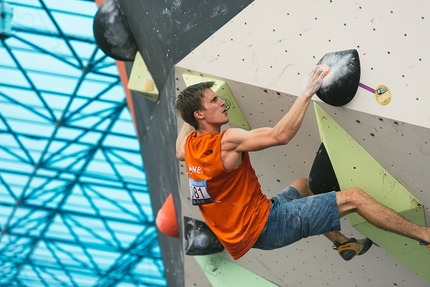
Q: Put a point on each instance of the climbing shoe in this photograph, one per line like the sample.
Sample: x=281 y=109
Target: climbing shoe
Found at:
x=426 y=244
x=353 y=247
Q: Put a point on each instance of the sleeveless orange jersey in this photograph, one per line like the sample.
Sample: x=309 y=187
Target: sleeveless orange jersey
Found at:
x=230 y=201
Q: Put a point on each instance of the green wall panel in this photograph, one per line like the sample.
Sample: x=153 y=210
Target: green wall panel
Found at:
x=223 y=273
x=355 y=167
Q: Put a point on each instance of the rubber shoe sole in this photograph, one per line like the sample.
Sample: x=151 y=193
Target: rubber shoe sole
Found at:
x=353 y=248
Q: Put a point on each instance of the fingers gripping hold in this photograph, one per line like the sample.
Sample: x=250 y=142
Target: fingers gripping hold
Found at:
x=313 y=81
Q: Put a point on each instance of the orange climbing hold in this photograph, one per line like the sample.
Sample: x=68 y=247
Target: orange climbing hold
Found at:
x=328 y=69
x=166 y=218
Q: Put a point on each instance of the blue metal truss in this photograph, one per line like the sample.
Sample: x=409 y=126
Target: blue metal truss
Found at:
x=74 y=204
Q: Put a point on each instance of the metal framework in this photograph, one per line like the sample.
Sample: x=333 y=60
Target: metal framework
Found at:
x=74 y=204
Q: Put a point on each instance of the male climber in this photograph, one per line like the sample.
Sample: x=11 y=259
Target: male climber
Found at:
x=224 y=185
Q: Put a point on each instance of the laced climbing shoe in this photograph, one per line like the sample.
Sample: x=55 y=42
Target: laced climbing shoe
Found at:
x=426 y=244
x=353 y=247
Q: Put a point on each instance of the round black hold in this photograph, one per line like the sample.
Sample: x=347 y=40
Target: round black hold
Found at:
x=193 y=229
x=112 y=33
x=340 y=85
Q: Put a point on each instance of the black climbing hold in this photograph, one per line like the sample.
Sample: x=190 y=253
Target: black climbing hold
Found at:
x=340 y=85
x=322 y=177
x=199 y=239
x=112 y=33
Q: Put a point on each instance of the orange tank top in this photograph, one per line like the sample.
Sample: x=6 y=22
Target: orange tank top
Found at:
x=230 y=201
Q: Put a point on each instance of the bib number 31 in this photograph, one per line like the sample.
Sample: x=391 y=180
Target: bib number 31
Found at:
x=199 y=192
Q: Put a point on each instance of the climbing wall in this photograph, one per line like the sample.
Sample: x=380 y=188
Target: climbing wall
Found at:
x=165 y=32
x=263 y=54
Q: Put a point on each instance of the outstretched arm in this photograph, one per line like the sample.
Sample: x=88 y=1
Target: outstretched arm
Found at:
x=180 y=141
x=240 y=140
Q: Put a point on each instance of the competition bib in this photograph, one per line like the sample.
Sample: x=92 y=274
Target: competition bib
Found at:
x=199 y=192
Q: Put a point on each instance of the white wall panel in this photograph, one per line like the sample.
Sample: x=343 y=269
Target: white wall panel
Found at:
x=263 y=54
x=274 y=44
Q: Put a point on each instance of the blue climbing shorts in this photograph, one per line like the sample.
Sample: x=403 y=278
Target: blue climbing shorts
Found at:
x=293 y=217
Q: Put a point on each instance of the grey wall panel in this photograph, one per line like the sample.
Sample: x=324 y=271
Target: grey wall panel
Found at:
x=149 y=43
x=157 y=129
